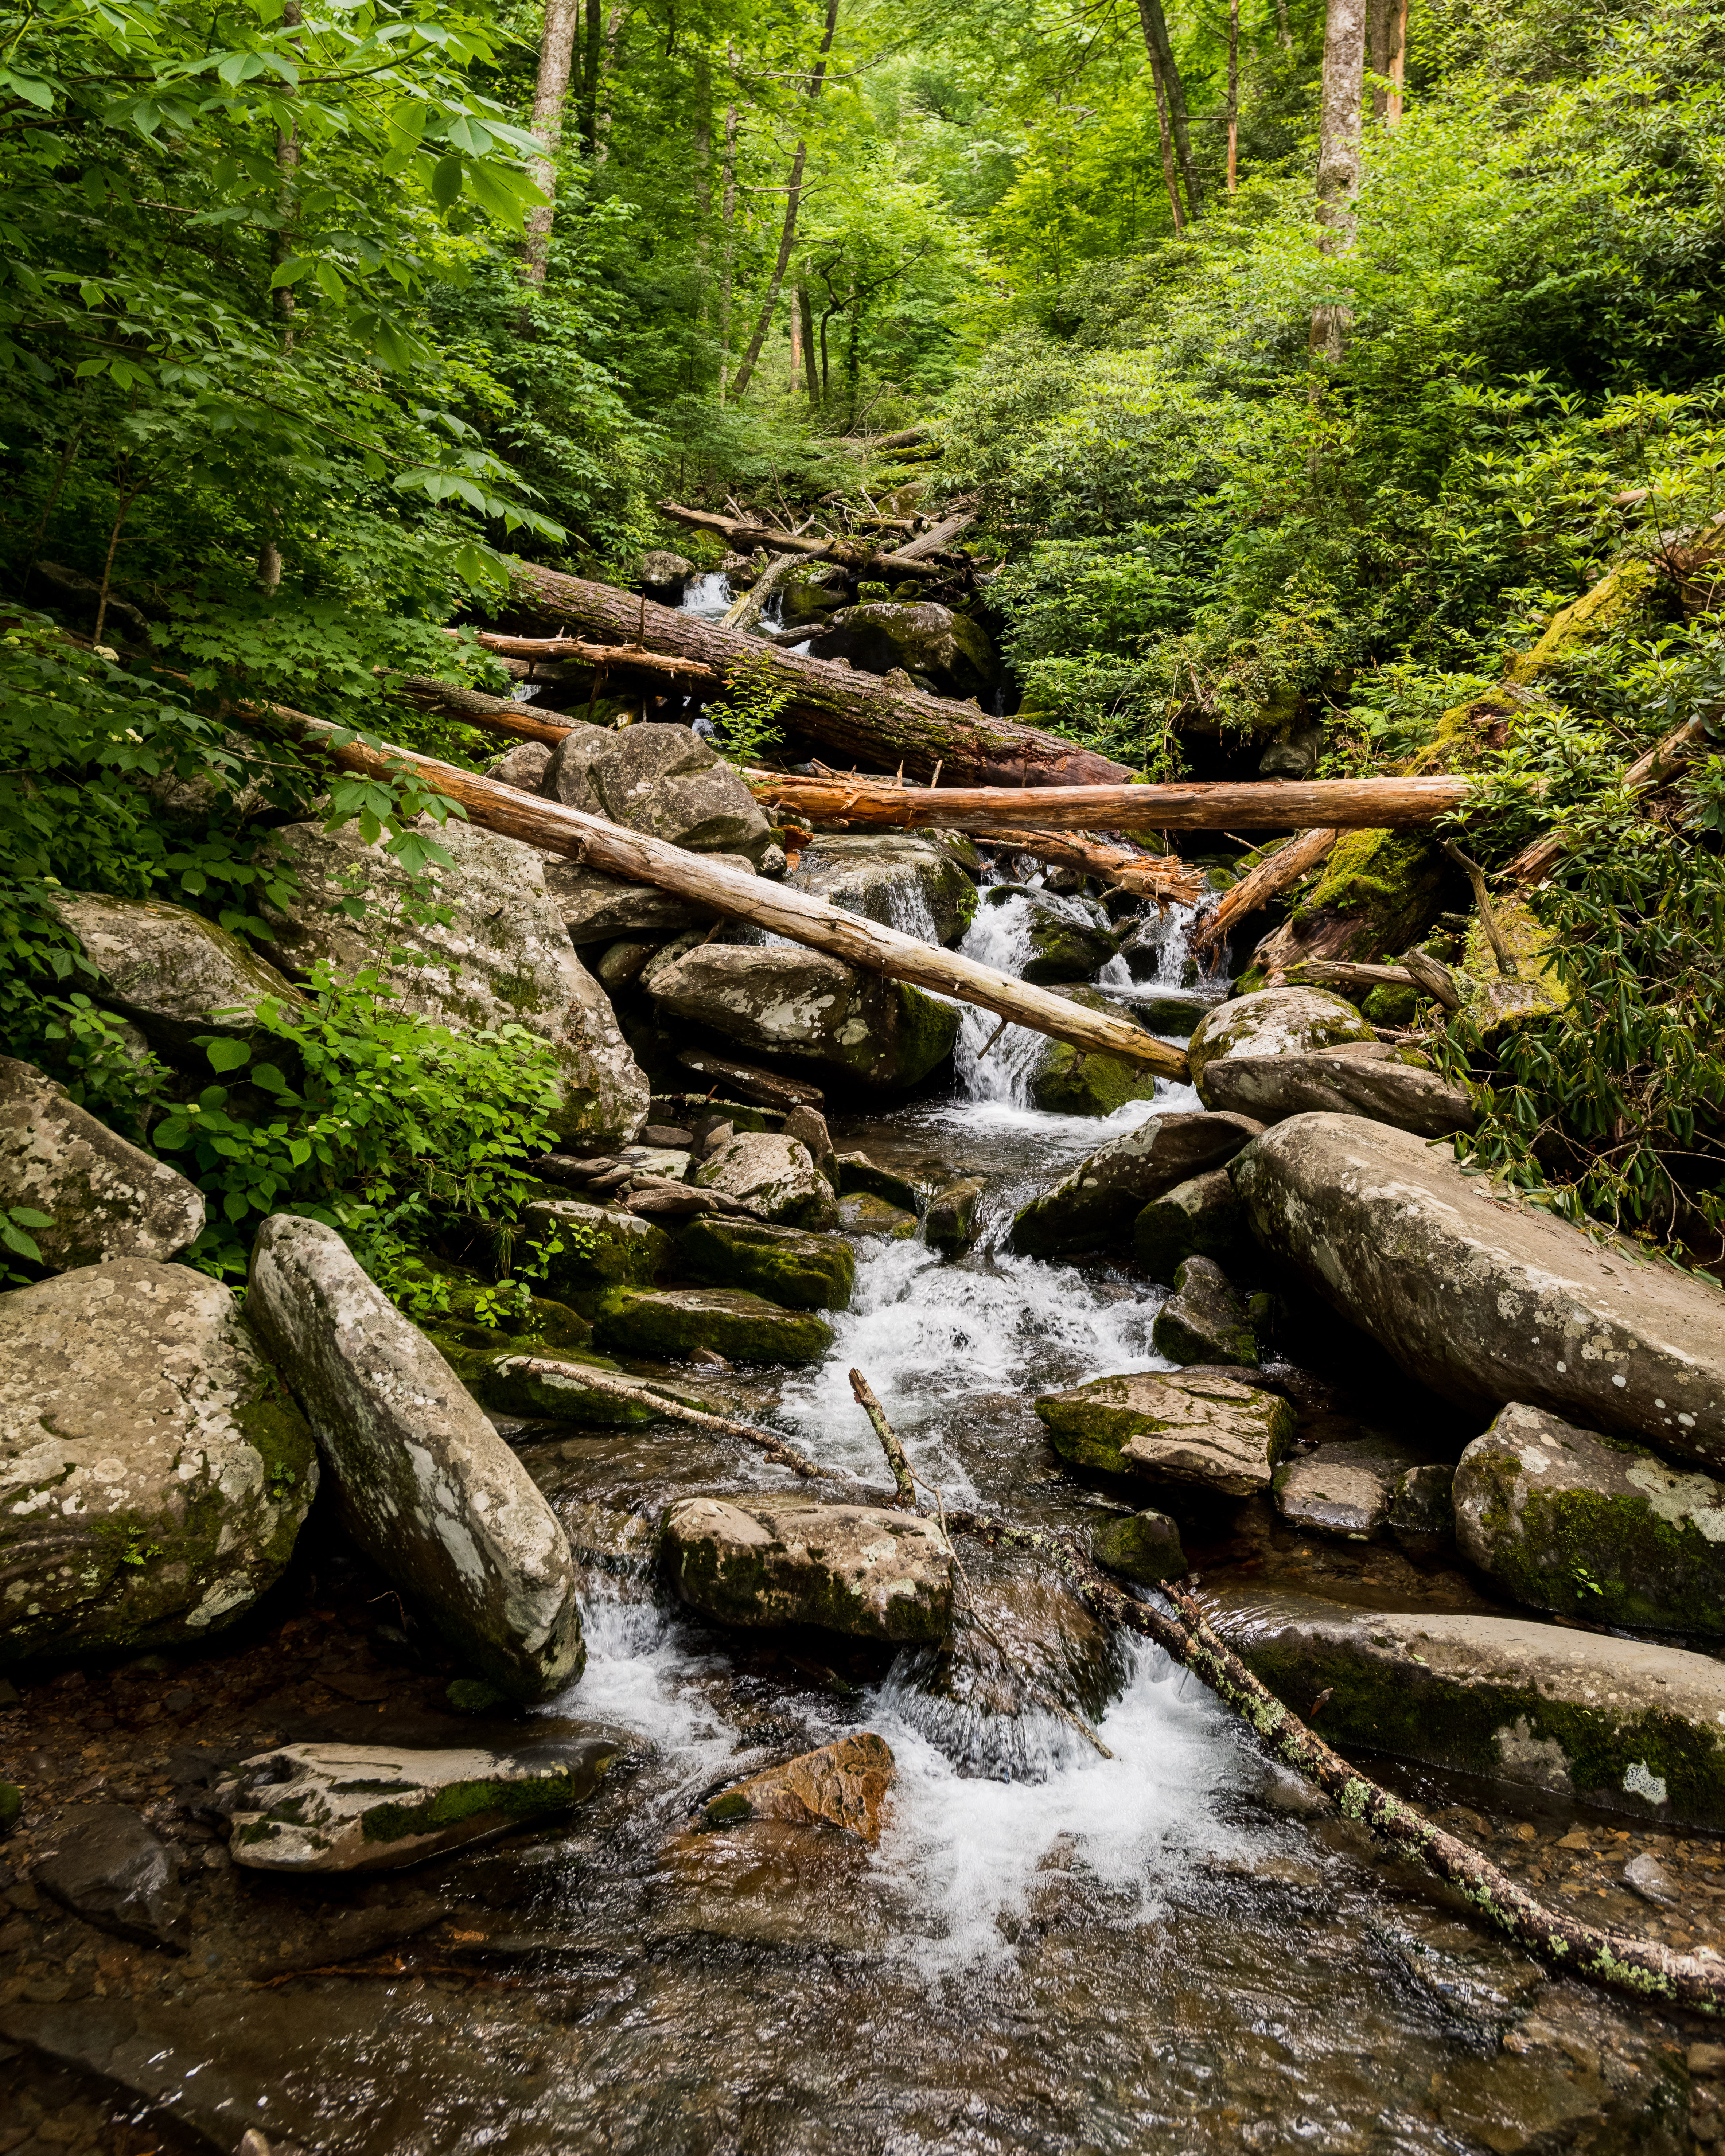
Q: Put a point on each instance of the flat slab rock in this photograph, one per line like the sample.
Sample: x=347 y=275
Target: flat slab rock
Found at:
x=1344 y=1489
x=862 y=1569
x=1202 y=1426
x=103 y=1863
x=374 y=1807
x=794 y=1268
x=1634 y=1727
x=843 y=1785
x=673 y=1321
x=1356 y=1078
x=1483 y=1298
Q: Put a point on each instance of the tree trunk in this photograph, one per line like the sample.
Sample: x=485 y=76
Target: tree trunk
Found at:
x=1268 y=879
x=613 y=26
x=1168 y=72
x=797 y=303
x=590 y=81
x=551 y=91
x=491 y=715
x=727 y=244
x=1160 y=876
x=1386 y=36
x=1284 y=33
x=811 y=364
x=1168 y=179
x=1233 y=95
x=746 y=612
x=1338 y=144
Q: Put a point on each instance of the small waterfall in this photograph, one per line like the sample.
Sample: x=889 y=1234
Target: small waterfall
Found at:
x=707 y=595
x=990 y=1065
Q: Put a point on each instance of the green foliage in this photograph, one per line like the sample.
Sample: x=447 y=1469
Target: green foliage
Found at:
x=744 y=716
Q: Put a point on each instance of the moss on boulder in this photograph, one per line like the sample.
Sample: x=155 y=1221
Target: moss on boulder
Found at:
x=670 y=1323
x=795 y=1270
x=1202 y=1426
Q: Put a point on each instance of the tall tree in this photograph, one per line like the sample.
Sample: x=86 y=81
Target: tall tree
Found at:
x=1167 y=71
x=551 y=92
x=590 y=80
x=1232 y=95
x=1168 y=179
x=1338 y=151
x=1386 y=46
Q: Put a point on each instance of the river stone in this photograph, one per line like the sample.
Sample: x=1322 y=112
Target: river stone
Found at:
x=599 y=909
x=664 y=780
x=558 y=1385
x=858 y=1569
x=1272 y=1022
x=950 y=1223
x=503 y=957
x=774 y=1177
x=1065 y=944
x=948 y=649
x=1346 y=1489
x=1201 y=1217
x=812 y=591
x=801 y=1003
x=1079 y=1081
x=1142 y=1546
x=423 y=1483
x=1620 y=1723
x=1485 y=1299
x=105 y=1199
x=153 y=1473
x=1203 y=1320
x=674 y=1321
x=1592 y=1526
x=843 y=1785
x=809 y=1127
x=313 y=1808
x=866 y=1215
x=1199 y=1426
x=523 y=767
x=602 y=1247
x=1094 y=1205
x=177 y=974
x=857 y=1174
x=1355 y=1079
x=1421 y=1511
x=104 y=1864
x=795 y=1270
x=897 y=878
x=661 y=574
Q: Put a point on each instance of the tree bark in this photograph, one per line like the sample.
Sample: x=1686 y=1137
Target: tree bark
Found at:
x=1168 y=179
x=727 y=243
x=1338 y=160
x=490 y=715
x=1166 y=69
x=639 y=859
x=1233 y=95
x=1386 y=39
x=551 y=91
x=1265 y=880
x=811 y=361
x=590 y=80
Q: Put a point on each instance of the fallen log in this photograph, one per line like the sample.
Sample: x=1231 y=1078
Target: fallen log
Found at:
x=1344 y=974
x=490 y=715
x=856 y=715
x=1160 y=876
x=602 y=655
x=638 y=859
x=1661 y=763
x=746 y=612
x=1267 y=879
x=744 y=536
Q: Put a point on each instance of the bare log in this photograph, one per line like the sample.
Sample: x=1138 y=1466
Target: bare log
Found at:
x=549 y=1374
x=856 y=715
x=1161 y=876
x=638 y=859
x=932 y=540
x=1343 y=974
x=1435 y=978
x=745 y=536
x=1661 y=763
x=490 y=715
x=1267 y=879
x=597 y=654
x=746 y=612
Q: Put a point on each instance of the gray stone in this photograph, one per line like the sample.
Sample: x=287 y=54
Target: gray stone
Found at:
x=1142 y=1546
x=1421 y=1515
x=795 y=1270
x=1356 y=1079
x=598 y=908
x=811 y=592
x=1273 y=1022
x=105 y=1199
x=896 y=877
x=1199 y=1426
x=104 y=1864
x=866 y=1215
x=153 y=1474
x=809 y=1127
x=955 y=654
x=1095 y=1206
x=774 y=1177
x=1643 y=1874
x=1203 y=1321
x=621 y=962
x=1592 y=1526
x=800 y=1003
x=950 y=1223
x=1201 y=1217
x=504 y=957
x=664 y=780
x=662 y=574
x=423 y=1483
x=177 y=974
x=672 y=1322
x=314 y=1808
x=1346 y=1488
x=858 y=1175
x=1620 y=1723
x=857 y=1568
x=1486 y=1299
x=523 y=767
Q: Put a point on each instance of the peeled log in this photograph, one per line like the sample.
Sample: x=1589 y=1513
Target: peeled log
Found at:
x=1271 y=876
x=639 y=859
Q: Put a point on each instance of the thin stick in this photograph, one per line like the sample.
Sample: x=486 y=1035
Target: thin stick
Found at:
x=1488 y=919
x=889 y=1444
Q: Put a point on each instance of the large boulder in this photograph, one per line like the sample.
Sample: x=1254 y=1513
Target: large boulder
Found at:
x=104 y=1198
x=795 y=1270
x=1095 y=1206
x=1043 y=938
x=884 y=1033
x=176 y=974
x=1354 y=1078
x=857 y=1568
x=1592 y=1526
x=153 y=1473
x=1272 y=1022
x=1595 y=1720
x=948 y=650
x=423 y=1483
x=664 y=780
x=673 y=1321
x=662 y=574
x=901 y=879
x=596 y=908
x=1204 y=1217
x=1485 y=1299
x=1079 y=1081
x=774 y=1176
x=503 y=956
x=1202 y=1426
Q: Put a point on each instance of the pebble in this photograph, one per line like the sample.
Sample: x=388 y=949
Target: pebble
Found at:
x=1642 y=1874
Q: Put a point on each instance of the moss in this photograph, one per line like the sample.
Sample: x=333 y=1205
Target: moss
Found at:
x=600 y=1251
x=1144 y=1546
x=793 y=1269
x=1388 y=883
x=1075 y=1081
x=858 y=1174
x=1615 y=599
x=504 y=1802
x=741 y=1327
x=927 y=1029
x=1494 y=1002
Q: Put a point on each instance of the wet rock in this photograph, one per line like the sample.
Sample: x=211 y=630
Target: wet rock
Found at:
x=1203 y=1321
x=176 y=974
x=1634 y=1727
x=600 y=1247
x=1198 y=1426
x=798 y=1271
x=864 y=1215
x=674 y=1321
x=1204 y=1217
x=1077 y=1081
x=424 y=1484
x=809 y=1127
x=1346 y=1489
x=104 y=1199
x=896 y=877
x=664 y=780
x=596 y=908
x=774 y=1177
x=948 y=648
x=621 y=962
x=1095 y=1205
x=950 y=1225
x=556 y=1385
x=1592 y=1526
x=800 y=1003
x=1272 y=1022
x=1421 y=1514
x=313 y=1808
x=857 y=1173
x=770 y=1090
x=153 y=1472
x=661 y=574
x=1644 y=1875
x=104 y=1864
x=1356 y=1079
x=812 y=592
x=843 y=1785
x=1483 y=1298
x=523 y=767
x=503 y=957
x=1142 y=1545
x=857 y=1568
x=1065 y=944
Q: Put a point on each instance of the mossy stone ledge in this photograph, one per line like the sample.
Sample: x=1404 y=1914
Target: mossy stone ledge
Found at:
x=674 y=1321
x=790 y=1267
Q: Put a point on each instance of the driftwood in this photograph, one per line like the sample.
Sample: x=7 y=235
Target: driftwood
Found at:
x=856 y=715
x=639 y=1394
x=638 y=859
x=1343 y=974
x=746 y=612
x=1661 y=763
x=1267 y=879
x=853 y=553
x=601 y=655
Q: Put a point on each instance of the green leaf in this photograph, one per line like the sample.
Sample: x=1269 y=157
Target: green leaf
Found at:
x=228 y=1055
x=446 y=183
x=15 y=1239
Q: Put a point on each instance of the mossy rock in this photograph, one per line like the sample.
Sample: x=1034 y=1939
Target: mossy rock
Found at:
x=1388 y=886
x=1495 y=1002
x=858 y=1174
x=670 y=1322
x=1142 y=1546
x=601 y=1249
x=866 y=1215
x=552 y=1386
x=1203 y=1218
x=1199 y=1426
x=788 y=1265
x=1079 y=1081
x=1616 y=599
